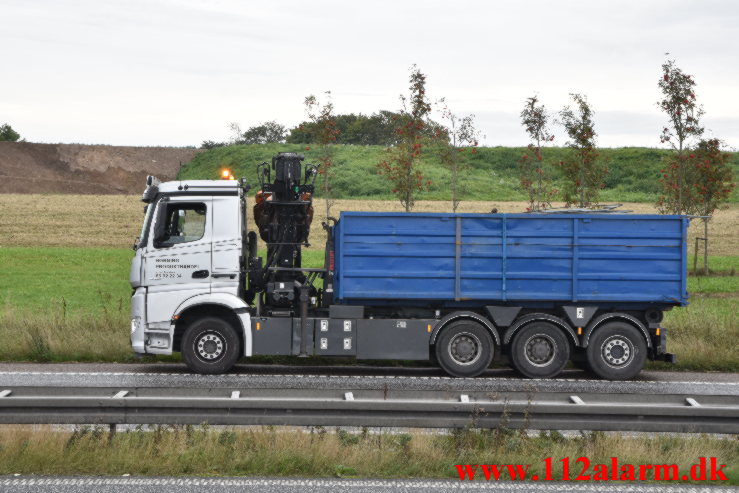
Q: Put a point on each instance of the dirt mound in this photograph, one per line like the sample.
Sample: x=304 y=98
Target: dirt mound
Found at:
x=88 y=169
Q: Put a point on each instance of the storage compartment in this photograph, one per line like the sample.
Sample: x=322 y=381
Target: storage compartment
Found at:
x=394 y=339
x=271 y=335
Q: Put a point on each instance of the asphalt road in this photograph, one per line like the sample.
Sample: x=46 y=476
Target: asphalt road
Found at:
x=348 y=370
x=351 y=378
x=233 y=485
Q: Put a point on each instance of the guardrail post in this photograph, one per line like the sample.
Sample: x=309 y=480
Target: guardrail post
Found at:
x=112 y=429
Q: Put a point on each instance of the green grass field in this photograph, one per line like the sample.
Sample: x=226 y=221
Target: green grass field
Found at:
x=492 y=171
x=72 y=304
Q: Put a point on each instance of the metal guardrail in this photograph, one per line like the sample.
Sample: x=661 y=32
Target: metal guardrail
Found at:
x=363 y=407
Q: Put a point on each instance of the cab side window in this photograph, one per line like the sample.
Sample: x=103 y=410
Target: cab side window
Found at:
x=184 y=222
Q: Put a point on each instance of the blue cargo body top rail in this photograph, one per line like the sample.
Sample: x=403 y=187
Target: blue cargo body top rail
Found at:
x=453 y=258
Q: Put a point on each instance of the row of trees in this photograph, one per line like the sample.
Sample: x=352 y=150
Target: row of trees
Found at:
x=582 y=173
x=696 y=177
x=413 y=135
x=354 y=129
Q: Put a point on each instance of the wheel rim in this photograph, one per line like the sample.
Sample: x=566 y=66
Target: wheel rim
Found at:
x=210 y=346
x=465 y=348
x=540 y=350
x=617 y=351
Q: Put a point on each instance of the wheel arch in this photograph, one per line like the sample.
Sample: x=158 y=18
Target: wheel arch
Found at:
x=534 y=317
x=464 y=315
x=229 y=307
x=615 y=316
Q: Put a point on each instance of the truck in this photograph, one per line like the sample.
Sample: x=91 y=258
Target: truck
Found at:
x=535 y=290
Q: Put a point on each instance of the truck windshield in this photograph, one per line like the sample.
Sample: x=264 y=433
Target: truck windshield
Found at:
x=143 y=237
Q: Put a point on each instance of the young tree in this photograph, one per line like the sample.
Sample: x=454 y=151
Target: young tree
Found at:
x=533 y=177
x=582 y=170
x=679 y=103
x=236 y=132
x=326 y=133
x=7 y=134
x=707 y=169
x=455 y=136
x=266 y=133
x=401 y=165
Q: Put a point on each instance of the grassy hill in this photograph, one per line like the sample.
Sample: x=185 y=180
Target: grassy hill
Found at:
x=492 y=173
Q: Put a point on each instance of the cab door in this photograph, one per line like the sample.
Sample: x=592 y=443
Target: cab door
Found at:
x=177 y=263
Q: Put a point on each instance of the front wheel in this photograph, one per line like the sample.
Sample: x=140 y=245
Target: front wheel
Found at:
x=210 y=345
x=464 y=349
x=616 y=351
x=539 y=350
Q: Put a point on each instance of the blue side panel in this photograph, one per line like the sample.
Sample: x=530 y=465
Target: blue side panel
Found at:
x=511 y=257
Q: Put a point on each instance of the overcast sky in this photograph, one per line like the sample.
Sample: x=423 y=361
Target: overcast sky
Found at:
x=176 y=73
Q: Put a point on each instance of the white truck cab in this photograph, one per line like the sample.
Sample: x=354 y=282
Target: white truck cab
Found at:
x=187 y=266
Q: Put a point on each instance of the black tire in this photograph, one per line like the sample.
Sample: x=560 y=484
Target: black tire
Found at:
x=210 y=345
x=539 y=350
x=616 y=351
x=464 y=348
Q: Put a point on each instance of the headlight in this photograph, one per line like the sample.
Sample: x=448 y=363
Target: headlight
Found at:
x=135 y=324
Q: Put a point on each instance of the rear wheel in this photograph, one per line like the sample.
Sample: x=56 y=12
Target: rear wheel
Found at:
x=616 y=351
x=539 y=350
x=210 y=345
x=464 y=349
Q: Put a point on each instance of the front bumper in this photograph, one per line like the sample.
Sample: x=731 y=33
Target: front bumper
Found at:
x=138 y=320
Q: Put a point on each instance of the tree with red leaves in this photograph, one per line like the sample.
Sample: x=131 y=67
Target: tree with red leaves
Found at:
x=534 y=179
x=679 y=103
x=582 y=170
x=401 y=167
x=326 y=133
x=456 y=136
x=713 y=181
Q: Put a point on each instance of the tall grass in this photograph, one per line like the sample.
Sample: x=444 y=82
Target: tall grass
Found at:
x=54 y=335
x=704 y=334
x=317 y=452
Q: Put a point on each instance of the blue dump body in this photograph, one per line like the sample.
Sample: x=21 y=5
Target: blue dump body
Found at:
x=447 y=259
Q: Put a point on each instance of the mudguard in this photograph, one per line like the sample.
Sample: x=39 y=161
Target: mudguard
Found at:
x=465 y=315
x=230 y=301
x=532 y=317
x=616 y=316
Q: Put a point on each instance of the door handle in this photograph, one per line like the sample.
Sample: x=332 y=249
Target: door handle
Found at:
x=200 y=274
x=230 y=276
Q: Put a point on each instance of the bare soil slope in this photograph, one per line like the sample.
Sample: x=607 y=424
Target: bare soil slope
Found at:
x=86 y=169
